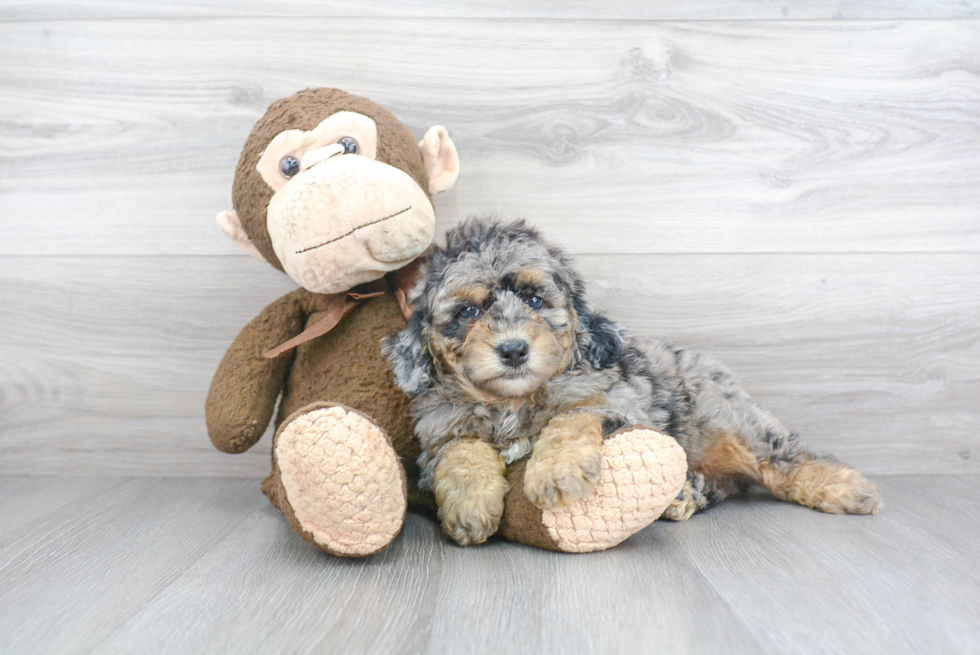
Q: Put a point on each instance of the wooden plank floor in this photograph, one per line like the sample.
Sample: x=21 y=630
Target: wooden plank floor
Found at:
x=133 y=565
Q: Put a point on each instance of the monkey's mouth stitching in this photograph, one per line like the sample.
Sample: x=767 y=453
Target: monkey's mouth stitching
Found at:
x=359 y=227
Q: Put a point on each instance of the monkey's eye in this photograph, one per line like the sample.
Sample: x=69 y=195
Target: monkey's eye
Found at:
x=350 y=145
x=534 y=302
x=289 y=166
x=469 y=312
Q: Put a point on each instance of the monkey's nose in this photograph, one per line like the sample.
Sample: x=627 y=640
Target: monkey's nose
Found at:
x=513 y=353
x=314 y=157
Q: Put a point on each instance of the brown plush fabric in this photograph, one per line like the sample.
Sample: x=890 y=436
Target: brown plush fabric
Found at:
x=345 y=367
x=522 y=520
x=245 y=387
x=305 y=110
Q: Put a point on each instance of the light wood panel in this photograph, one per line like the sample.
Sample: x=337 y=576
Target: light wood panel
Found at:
x=889 y=583
x=949 y=536
x=611 y=9
x=208 y=566
x=264 y=590
x=424 y=595
x=641 y=597
x=120 y=137
x=71 y=577
x=864 y=355
x=27 y=498
x=106 y=362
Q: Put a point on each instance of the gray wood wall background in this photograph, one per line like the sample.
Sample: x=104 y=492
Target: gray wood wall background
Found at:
x=791 y=186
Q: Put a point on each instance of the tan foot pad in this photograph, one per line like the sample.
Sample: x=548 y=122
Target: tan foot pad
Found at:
x=342 y=480
x=642 y=472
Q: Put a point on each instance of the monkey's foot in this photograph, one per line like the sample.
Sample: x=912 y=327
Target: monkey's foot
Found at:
x=341 y=485
x=641 y=472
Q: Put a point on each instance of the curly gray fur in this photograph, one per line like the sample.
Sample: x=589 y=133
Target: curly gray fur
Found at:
x=690 y=396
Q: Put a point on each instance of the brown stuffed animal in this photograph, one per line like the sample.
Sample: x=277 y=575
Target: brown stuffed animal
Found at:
x=332 y=189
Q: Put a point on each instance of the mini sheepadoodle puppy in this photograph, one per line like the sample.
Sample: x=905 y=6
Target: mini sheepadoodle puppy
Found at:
x=502 y=350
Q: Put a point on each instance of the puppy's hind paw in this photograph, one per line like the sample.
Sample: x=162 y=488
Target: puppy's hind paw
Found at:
x=825 y=486
x=865 y=499
x=689 y=500
x=562 y=476
x=849 y=492
x=681 y=509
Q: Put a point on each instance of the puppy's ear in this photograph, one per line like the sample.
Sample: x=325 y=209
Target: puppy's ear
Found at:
x=601 y=341
x=410 y=358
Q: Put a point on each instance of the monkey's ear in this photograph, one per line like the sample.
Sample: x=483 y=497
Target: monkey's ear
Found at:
x=232 y=226
x=440 y=158
x=409 y=357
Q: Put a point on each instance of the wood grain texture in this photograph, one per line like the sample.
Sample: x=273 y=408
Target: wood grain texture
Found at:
x=121 y=136
x=71 y=577
x=179 y=566
x=945 y=532
x=578 y=9
x=889 y=582
x=26 y=498
x=264 y=590
x=872 y=358
x=106 y=362
x=641 y=597
x=424 y=595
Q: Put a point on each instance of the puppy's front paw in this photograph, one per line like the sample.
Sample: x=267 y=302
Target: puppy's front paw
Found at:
x=472 y=518
x=557 y=477
x=470 y=488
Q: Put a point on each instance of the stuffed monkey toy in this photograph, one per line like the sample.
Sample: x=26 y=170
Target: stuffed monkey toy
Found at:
x=333 y=190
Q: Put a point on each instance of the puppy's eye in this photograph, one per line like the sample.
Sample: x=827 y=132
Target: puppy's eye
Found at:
x=289 y=166
x=469 y=312
x=350 y=145
x=534 y=302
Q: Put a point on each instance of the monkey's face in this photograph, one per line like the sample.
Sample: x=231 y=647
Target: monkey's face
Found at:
x=338 y=216
x=500 y=321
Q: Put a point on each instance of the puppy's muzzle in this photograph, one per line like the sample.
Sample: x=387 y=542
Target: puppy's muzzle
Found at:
x=513 y=353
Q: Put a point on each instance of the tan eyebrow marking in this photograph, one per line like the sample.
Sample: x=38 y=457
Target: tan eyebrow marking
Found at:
x=531 y=277
x=477 y=295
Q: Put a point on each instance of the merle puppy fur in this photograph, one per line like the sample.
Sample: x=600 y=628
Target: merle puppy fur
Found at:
x=502 y=349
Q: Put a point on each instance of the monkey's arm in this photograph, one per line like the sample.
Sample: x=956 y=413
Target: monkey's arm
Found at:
x=246 y=385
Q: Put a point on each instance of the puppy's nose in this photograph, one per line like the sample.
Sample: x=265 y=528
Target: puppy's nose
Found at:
x=513 y=353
